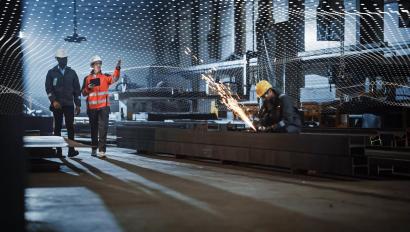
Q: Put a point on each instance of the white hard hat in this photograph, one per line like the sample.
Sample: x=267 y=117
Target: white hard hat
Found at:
x=94 y=59
x=60 y=53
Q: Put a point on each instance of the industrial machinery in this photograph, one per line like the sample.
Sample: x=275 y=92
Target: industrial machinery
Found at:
x=350 y=83
x=143 y=102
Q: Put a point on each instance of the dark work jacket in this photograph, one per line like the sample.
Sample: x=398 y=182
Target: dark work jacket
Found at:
x=64 y=89
x=281 y=113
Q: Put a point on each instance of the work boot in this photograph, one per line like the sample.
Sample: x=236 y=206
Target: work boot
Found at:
x=101 y=155
x=94 y=152
x=72 y=153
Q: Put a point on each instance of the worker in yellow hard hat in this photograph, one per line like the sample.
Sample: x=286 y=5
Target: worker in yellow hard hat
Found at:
x=277 y=114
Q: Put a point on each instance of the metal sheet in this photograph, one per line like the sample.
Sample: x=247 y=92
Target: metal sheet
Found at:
x=44 y=141
x=324 y=153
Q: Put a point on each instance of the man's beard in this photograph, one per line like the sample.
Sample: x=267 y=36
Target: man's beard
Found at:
x=62 y=63
x=273 y=101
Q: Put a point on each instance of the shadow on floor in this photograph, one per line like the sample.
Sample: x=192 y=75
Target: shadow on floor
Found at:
x=147 y=200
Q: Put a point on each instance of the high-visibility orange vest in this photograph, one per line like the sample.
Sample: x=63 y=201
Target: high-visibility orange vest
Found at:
x=98 y=96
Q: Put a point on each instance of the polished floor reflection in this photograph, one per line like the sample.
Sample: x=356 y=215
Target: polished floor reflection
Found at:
x=132 y=192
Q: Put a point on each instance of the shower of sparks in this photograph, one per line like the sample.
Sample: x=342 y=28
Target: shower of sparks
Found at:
x=227 y=99
x=224 y=92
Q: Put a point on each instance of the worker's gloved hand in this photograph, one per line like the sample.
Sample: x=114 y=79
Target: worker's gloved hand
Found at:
x=256 y=123
x=77 y=110
x=91 y=85
x=262 y=129
x=274 y=127
x=56 y=105
x=118 y=64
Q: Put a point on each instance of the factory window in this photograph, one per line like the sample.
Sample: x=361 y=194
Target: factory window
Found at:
x=395 y=32
x=325 y=28
x=330 y=20
x=280 y=10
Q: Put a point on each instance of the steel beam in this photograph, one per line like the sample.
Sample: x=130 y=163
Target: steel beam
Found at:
x=323 y=153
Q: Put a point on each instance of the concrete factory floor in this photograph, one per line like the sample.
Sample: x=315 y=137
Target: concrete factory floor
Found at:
x=129 y=192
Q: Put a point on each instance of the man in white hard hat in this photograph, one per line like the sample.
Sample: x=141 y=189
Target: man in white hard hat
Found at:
x=63 y=91
x=95 y=87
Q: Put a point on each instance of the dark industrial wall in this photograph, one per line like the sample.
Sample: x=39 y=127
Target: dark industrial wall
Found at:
x=371 y=21
x=404 y=8
x=12 y=169
x=278 y=47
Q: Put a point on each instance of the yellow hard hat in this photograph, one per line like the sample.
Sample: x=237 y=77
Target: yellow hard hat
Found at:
x=262 y=87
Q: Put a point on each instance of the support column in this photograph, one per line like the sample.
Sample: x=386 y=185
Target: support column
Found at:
x=12 y=158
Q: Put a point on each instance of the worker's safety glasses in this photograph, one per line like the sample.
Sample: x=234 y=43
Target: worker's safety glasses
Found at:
x=97 y=63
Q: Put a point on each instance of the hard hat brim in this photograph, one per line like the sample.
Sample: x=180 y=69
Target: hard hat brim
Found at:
x=92 y=63
x=263 y=94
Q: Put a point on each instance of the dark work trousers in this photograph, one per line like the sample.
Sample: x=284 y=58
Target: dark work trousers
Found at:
x=68 y=113
x=99 y=127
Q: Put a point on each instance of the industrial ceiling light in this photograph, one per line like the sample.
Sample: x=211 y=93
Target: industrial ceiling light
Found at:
x=75 y=38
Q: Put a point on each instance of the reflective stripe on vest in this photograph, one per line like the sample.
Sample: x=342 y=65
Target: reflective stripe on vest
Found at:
x=97 y=102
x=98 y=97
x=92 y=94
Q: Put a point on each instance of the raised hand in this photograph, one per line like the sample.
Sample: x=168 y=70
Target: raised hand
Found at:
x=119 y=63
